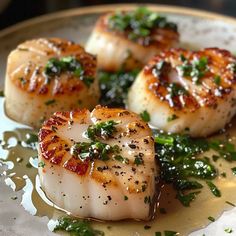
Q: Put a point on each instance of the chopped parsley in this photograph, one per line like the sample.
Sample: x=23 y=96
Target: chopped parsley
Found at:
x=114 y=87
x=170 y=233
x=196 y=69
x=121 y=159
x=102 y=130
x=176 y=89
x=31 y=141
x=145 y=116
x=126 y=198
x=55 y=67
x=50 y=102
x=171 y=118
x=214 y=189
x=41 y=164
x=77 y=227
x=186 y=199
x=234 y=170
x=212 y=219
x=228 y=230
x=93 y=150
x=139 y=23
x=182 y=167
x=2 y=93
x=217 y=80
x=138 y=160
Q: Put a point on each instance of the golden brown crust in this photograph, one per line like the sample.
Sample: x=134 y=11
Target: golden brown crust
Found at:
x=31 y=78
x=209 y=93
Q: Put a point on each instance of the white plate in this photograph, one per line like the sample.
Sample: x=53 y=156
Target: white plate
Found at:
x=198 y=29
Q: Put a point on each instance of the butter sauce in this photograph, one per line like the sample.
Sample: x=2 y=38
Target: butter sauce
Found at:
x=172 y=215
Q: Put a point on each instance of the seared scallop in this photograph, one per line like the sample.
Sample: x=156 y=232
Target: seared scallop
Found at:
x=187 y=91
x=99 y=164
x=128 y=39
x=48 y=75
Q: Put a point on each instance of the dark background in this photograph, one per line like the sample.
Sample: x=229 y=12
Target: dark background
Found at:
x=19 y=10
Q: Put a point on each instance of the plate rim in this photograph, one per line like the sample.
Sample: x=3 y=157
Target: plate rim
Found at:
x=186 y=11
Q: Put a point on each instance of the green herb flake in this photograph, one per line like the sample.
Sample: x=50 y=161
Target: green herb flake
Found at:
x=41 y=164
x=145 y=116
x=214 y=189
x=170 y=233
x=172 y=117
x=228 y=230
x=126 y=198
x=93 y=150
x=157 y=233
x=217 y=80
x=234 y=170
x=223 y=174
x=138 y=160
x=103 y=130
x=2 y=93
x=114 y=87
x=121 y=159
x=55 y=67
x=50 y=102
x=31 y=141
x=186 y=199
x=196 y=69
x=77 y=227
x=212 y=219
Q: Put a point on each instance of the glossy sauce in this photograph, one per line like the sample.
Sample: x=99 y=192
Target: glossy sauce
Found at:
x=22 y=175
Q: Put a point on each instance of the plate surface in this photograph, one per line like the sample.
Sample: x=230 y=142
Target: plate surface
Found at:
x=197 y=29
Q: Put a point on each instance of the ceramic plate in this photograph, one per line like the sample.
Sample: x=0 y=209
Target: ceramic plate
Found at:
x=197 y=29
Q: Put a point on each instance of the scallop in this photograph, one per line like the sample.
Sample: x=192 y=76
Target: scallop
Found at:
x=48 y=75
x=100 y=164
x=119 y=45
x=185 y=91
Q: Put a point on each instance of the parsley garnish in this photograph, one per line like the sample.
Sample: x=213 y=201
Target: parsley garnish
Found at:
x=228 y=230
x=2 y=93
x=50 y=102
x=126 y=198
x=217 y=80
x=145 y=116
x=114 y=87
x=77 y=227
x=171 y=118
x=212 y=219
x=56 y=67
x=41 y=164
x=102 y=130
x=214 y=189
x=138 y=160
x=139 y=23
x=93 y=150
x=196 y=69
x=234 y=170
